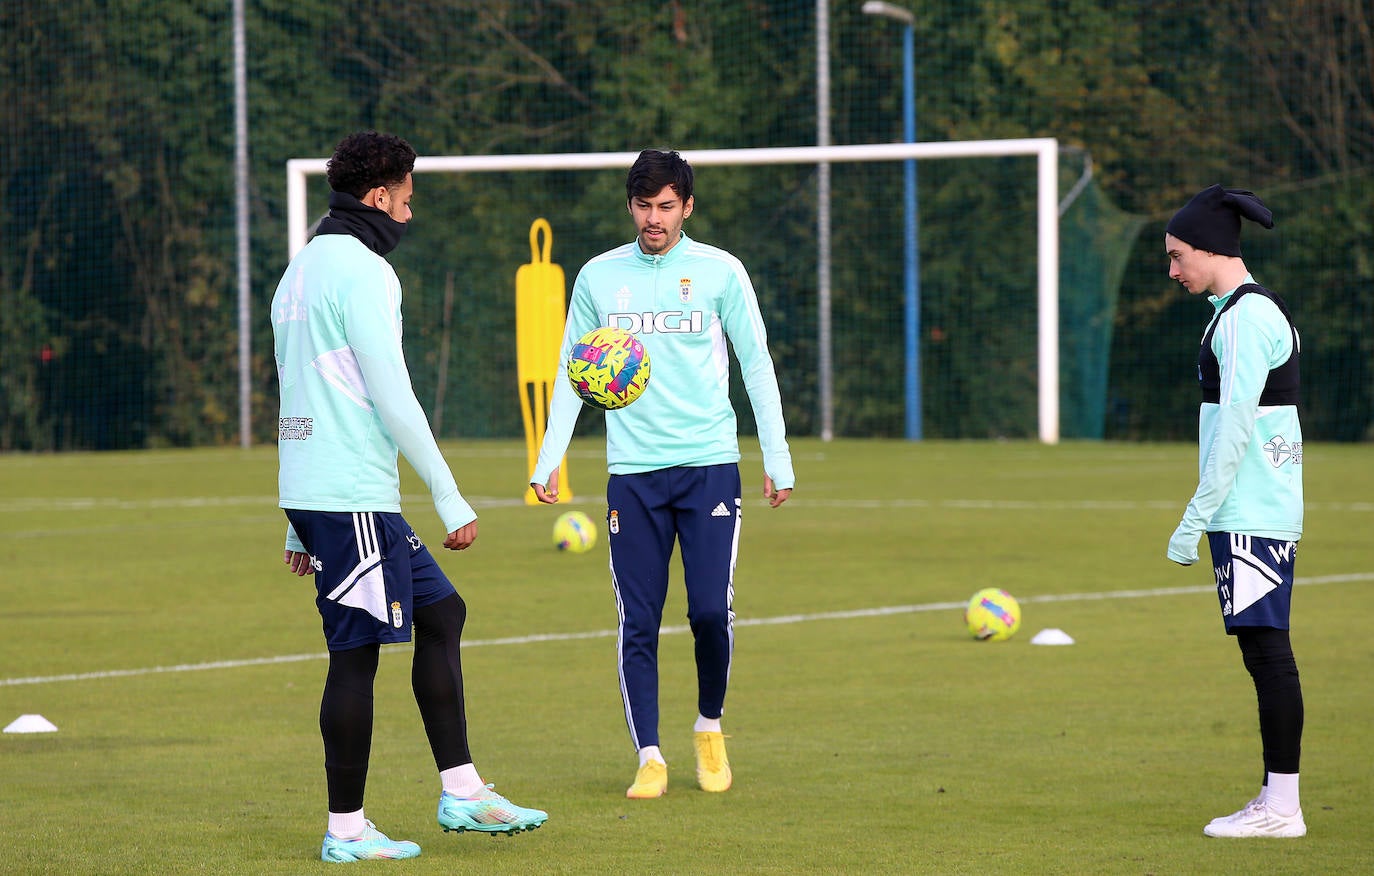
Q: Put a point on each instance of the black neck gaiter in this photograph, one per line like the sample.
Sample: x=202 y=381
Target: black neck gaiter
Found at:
x=348 y=215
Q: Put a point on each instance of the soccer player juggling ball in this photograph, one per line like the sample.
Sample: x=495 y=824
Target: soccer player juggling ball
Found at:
x=673 y=455
x=1249 y=495
x=347 y=407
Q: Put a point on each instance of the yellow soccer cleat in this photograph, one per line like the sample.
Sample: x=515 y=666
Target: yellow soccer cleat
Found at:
x=651 y=781
x=713 y=767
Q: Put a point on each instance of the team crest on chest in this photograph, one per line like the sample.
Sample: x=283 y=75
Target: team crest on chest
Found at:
x=684 y=289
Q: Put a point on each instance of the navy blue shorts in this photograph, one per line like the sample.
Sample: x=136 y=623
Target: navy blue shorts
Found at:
x=1254 y=579
x=371 y=571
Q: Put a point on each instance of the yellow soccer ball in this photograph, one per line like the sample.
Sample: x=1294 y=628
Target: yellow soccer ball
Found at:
x=609 y=368
x=574 y=532
x=992 y=615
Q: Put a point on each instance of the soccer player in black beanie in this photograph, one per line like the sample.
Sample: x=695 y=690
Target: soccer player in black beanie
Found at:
x=1249 y=498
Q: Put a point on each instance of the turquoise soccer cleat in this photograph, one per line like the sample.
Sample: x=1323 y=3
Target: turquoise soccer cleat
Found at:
x=488 y=812
x=373 y=845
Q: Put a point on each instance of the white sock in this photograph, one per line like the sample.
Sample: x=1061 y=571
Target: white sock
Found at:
x=347 y=825
x=461 y=781
x=706 y=725
x=651 y=752
x=1281 y=794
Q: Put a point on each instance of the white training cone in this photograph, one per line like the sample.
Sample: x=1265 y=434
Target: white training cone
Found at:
x=31 y=724
x=1052 y=637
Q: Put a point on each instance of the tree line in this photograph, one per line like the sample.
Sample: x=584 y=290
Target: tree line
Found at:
x=118 y=323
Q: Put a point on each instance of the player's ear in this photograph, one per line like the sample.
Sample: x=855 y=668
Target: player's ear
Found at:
x=687 y=207
x=373 y=197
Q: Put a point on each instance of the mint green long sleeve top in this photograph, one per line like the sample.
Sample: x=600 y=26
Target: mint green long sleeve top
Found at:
x=1249 y=455
x=682 y=305
x=347 y=403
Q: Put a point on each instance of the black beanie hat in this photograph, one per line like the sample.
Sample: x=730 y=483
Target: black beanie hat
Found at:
x=1211 y=220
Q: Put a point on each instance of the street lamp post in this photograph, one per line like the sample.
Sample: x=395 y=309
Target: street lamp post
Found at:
x=912 y=250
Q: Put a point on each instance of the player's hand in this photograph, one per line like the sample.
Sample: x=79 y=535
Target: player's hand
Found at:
x=298 y=562
x=547 y=493
x=774 y=496
x=461 y=538
x=1183 y=545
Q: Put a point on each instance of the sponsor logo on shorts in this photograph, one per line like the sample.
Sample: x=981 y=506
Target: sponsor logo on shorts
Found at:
x=720 y=511
x=1223 y=574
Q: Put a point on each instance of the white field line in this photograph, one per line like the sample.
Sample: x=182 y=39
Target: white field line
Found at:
x=669 y=630
x=269 y=503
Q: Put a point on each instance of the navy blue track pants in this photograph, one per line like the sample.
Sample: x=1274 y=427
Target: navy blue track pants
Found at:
x=697 y=507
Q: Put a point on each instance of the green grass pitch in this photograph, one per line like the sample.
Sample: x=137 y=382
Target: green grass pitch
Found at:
x=145 y=611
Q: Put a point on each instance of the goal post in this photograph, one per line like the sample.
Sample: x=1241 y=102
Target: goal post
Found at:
x=1045 y=149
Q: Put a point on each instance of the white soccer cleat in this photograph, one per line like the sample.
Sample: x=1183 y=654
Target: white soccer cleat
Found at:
x=1223 y=819
x=1257 y=819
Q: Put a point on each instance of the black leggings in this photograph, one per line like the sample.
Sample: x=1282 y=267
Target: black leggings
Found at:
x=436 y=677
x=1268 y=655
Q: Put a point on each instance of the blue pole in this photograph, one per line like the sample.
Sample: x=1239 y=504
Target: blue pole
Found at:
x=913 y=258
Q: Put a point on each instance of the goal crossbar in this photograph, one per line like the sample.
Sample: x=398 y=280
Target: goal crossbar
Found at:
x=1046 y=150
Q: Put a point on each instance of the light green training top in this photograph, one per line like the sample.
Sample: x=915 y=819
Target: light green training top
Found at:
x=1249 y=456
x=682 y=305
x=347 y=404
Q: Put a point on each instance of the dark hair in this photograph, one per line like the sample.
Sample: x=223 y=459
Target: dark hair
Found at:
x=368 y=159
x=653 y=170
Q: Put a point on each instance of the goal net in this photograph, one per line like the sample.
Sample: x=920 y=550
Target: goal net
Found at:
x=988 y=307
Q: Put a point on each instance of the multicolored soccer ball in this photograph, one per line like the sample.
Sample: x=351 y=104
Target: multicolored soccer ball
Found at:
x=992 y=615
x=609 y=368
x=574 y=532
